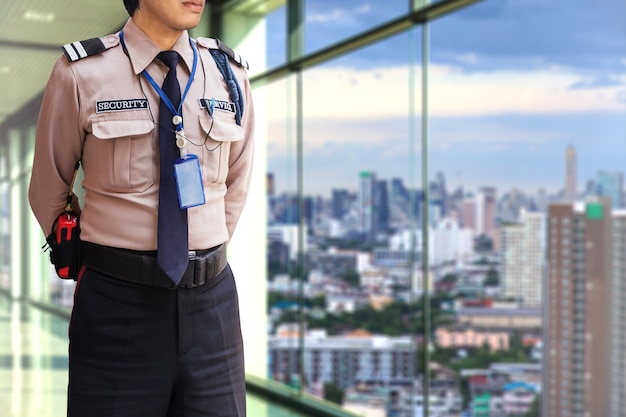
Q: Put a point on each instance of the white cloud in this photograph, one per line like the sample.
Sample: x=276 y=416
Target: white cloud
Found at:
x=370 y=108
x=337 y=15
x=347 y=93
x=331 y=16
x=468 y=59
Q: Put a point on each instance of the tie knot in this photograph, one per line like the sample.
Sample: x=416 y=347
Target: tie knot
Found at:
x=169 y=58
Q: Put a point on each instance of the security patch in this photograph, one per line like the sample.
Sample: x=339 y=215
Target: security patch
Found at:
x=103 y=106
x=213 y=104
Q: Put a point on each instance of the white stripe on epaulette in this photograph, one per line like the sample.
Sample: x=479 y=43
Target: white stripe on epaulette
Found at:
x=82 y=49
x=70 y=53
x=79 y=47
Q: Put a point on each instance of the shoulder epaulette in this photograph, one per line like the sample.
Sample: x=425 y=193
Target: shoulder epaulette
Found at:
x=214 y=43
x=82 y=49
x=222 y=55
x=232 y=54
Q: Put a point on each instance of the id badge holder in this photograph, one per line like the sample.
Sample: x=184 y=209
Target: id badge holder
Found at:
x=189 y=182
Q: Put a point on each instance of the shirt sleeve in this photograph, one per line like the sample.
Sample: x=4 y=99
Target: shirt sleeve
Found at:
x=58 y=146
x=240 y=163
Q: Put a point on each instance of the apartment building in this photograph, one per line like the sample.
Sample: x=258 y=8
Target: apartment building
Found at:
x=358 y=358
x=523 y=246
x=581 y=332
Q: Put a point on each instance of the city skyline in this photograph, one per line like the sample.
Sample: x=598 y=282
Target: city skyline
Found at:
x=560 y=189
x=512 y=84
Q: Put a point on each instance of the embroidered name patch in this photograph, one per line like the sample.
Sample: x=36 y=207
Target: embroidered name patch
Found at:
x=103 y=106
x=222 y=105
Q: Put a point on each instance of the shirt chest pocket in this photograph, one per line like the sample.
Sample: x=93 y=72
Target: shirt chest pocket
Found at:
x=121 y=156
x=219 y=132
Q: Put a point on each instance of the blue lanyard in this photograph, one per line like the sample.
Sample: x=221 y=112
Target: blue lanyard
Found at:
x=157 y=88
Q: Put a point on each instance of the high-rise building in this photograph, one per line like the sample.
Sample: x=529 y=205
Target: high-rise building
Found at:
x=400 y=205
x=610 y=185
x=618 y=316
x=367 y=189
x=340 y=203
x=522 y=248
x=438 y=194
x=373 y=204
x=479 y=212
x=486 y=202
x=570 y=173
x=382 y=211
x=578 y=312
x=468 y=213
x=270 y=184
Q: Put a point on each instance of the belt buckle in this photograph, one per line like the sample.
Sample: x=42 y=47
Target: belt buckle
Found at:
x=199 y=267
x=194 y=278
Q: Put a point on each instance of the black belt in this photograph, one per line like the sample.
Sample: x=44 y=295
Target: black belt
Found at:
x=142 y=267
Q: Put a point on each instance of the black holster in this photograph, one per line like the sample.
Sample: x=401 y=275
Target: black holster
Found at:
x=64 y=245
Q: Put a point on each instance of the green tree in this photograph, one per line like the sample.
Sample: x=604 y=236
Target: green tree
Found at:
x=317 y=301
x=351 y=277
x=333 y=393
x=450 y=278
x=535 y=408
x=493 y=278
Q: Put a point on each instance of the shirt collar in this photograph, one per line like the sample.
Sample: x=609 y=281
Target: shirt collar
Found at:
x=142 y=50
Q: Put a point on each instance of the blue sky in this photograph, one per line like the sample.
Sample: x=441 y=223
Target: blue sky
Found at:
x=513 y=83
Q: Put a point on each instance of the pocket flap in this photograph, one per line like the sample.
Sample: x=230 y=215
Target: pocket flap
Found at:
x=111 y=129
x=220 y=129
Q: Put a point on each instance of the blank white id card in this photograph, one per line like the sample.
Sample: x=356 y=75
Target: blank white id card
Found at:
x=189 y=182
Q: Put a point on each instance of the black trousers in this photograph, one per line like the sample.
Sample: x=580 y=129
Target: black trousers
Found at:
x=138 y=351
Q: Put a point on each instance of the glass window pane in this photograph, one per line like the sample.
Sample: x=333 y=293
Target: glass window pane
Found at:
x=527 y=105
x=276 y=42
x=282 y=235
x=329 y=21
x=358 y=153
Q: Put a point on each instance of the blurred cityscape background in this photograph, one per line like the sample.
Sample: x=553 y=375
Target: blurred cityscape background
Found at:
x=437 y=224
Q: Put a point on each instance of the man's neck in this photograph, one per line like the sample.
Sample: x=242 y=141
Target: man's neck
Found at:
x=163 y=37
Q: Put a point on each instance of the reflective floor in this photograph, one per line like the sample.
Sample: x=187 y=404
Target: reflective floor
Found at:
x=33 y=366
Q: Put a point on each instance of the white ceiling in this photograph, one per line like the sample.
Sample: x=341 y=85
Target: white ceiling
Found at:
x=31 y=34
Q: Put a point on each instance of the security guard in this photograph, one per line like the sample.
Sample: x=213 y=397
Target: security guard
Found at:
x=150 y=335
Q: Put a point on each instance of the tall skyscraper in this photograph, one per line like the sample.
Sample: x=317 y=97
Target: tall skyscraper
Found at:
x=340 y=203
x=610 y=185
x=468 y=213
x=523 y=248
x=400 y=208
x=618 y=316
x=382 y=209
x=479 y=212
x=367 y=187
x=487 y=202
x=578 y=311
x=270 y=184
x=570 y=173
x=439 y=194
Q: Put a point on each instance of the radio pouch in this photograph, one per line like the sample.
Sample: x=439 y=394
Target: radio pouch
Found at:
x=64 y=241
x=64 y=245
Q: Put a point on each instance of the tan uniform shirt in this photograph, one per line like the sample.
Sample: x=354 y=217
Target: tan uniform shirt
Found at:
x=101 y=110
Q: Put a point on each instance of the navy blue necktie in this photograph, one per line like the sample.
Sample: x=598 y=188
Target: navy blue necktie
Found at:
x=172 y=254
